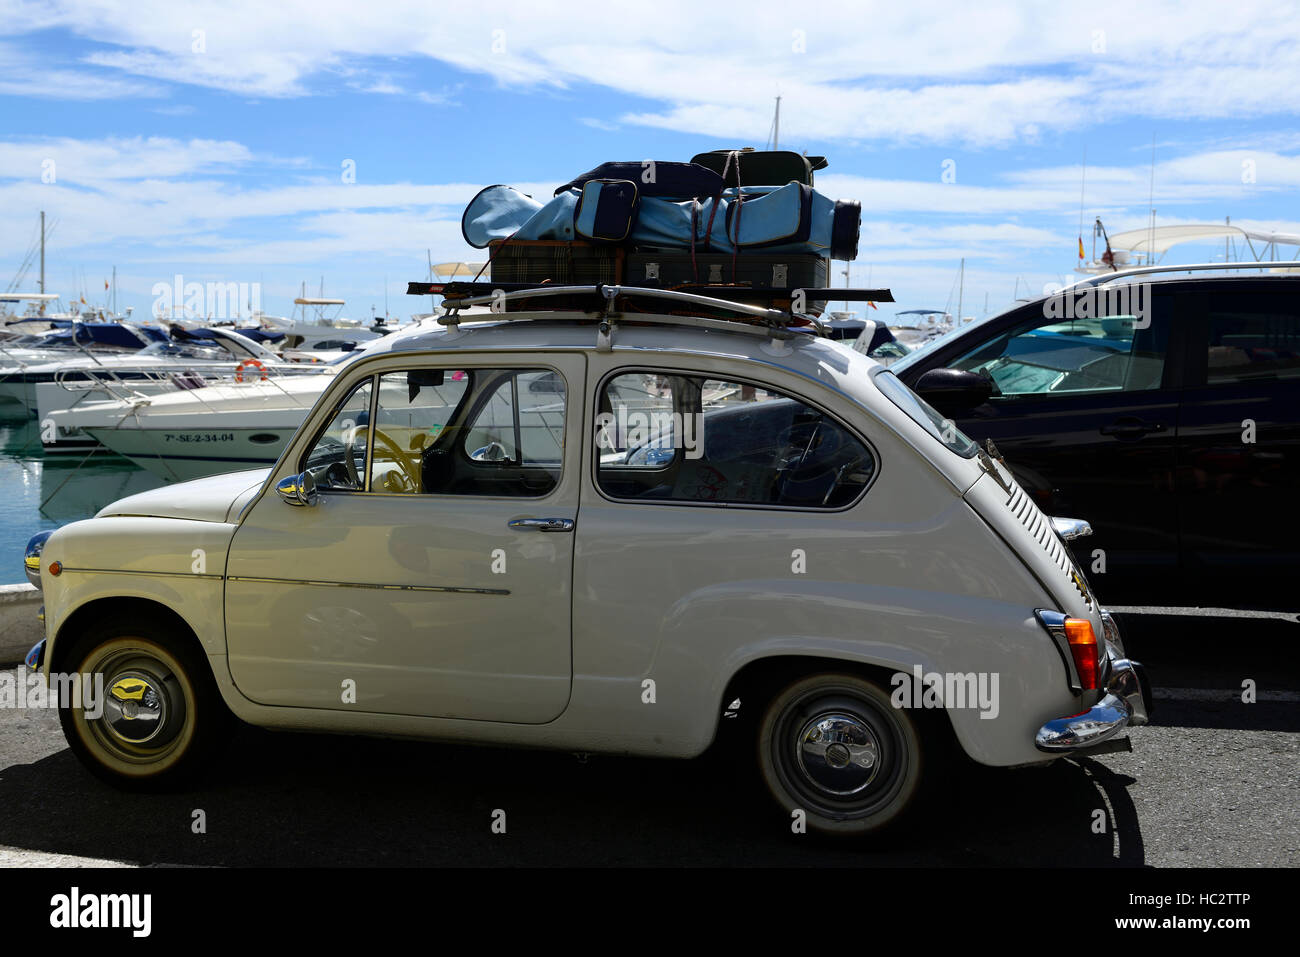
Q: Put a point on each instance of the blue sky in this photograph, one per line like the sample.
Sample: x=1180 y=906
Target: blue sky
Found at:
x=208 y=139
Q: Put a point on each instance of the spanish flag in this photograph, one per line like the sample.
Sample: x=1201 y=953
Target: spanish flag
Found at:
x=1080 y=247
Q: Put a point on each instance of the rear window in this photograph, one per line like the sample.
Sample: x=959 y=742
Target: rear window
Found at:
x=925 y=415
x=690 y=438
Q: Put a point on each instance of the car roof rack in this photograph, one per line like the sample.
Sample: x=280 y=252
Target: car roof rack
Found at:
x=1186 y=267
x=761 y=320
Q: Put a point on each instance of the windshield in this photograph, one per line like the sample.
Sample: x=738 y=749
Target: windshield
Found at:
x=187 y=350
x=920 y=352
x=925 y=415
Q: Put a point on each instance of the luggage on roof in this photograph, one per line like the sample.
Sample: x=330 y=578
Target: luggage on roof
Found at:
x=789 y=218
x=749 y=220
x=656 y=178
x=761 y=167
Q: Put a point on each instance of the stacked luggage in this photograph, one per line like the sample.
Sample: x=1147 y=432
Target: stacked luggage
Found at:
x=743 y=225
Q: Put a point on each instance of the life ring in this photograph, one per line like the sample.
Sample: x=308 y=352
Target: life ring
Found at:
x=250 y=363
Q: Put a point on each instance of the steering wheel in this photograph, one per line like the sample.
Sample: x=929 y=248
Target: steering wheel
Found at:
x=819 y=445
x=410 y=474
x=846 y=469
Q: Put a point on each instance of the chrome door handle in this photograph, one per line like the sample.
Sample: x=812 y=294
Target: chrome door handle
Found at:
x=1130 y=427
x=543 y=524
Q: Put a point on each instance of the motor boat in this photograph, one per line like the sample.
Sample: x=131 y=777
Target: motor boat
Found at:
x=73 y=335
x=189 y=433
x=208 y=354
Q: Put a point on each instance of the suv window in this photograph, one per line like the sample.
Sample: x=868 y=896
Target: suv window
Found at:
x=688 y=438
x=1252 y=336
x=1053 y=356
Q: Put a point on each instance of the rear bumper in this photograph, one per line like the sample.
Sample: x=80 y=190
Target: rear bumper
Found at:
x=1126 y=702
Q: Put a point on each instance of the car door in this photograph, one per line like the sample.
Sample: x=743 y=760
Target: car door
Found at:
x=1085 y=412
x=433 y=574
x=1239 y=447
x=710 y=492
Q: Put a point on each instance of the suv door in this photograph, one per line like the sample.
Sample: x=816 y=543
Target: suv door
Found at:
x=425 y=574
x=1085 y=411
x=1239 y=446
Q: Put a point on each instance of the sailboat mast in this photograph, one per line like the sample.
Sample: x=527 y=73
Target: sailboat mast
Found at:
x=961 y=288
x=42 y=312
x=776 y=126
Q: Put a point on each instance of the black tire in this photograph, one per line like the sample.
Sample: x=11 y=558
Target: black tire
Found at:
x=835 y=747
x=162 y=715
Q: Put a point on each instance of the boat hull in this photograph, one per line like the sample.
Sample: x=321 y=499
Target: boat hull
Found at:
x=181 y=454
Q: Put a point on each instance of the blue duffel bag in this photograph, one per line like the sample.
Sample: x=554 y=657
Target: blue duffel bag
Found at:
x=790 y=218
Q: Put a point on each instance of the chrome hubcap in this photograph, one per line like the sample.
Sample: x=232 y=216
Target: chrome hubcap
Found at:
x=838 y=753
x=135 y=706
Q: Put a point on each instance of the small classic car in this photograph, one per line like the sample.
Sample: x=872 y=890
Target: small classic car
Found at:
x=563 y=530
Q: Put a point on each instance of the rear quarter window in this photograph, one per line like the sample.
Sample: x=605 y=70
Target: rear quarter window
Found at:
x=691 y=438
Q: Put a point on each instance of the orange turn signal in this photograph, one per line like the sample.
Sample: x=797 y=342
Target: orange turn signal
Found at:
x=1083 y=646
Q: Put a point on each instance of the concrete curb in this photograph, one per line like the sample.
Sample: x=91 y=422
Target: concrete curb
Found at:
x=19 y=628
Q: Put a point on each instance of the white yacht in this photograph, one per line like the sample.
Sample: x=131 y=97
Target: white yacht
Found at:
x=210 y=354
x=189 y=433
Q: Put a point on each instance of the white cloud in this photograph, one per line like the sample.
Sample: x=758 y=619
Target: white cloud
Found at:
x=25 y=73
x=93 y=161
x=919 y=72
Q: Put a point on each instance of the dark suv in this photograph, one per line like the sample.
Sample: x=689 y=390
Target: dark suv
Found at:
x=1166 y=413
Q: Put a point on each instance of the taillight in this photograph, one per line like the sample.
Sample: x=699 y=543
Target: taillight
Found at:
x=1083 y=647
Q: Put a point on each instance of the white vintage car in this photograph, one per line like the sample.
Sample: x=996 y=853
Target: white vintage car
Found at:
x=563 y=530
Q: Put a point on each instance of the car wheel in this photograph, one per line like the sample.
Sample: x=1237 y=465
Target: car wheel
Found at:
x=834 y=747
x=159 y=714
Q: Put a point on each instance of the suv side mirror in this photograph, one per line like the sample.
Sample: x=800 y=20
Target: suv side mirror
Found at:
x=953 y=391
x=297 y=489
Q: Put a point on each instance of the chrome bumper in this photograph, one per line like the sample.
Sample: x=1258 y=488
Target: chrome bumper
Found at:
x=1125 y=703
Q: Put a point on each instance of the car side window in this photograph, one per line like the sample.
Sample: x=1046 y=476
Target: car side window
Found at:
x=1255 y=336
x=683 y=438
x=414 y=407
x=492 y=432
x=338 y=457
x=520 y=426
x=1051 y=355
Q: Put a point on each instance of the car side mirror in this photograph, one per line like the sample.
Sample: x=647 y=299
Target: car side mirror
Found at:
x=953 y=391
x=297 y=490
x=493 y=453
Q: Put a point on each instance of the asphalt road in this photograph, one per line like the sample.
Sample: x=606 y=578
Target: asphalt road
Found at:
x=1212 y=782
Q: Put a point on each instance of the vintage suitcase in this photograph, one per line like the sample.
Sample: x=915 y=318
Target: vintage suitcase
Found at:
x=761 y=272
x=762 y=167
x=555 y=261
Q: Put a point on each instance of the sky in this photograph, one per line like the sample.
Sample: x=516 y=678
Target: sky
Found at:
x=335 y=144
